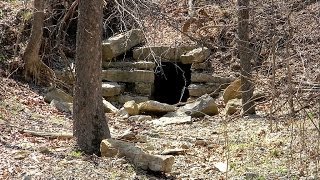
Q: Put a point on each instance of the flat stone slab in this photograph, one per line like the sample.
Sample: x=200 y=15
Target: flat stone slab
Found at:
x=209 y=78
x=163 y=121
x=111 y=89
x=198 y=90
x=197 y=55
x=127 y=97
x=116 y=75
x=155 y=107
x=121 y=43
x=142 y=65
x=204 y=66
x=143 y=88
x=165 y=53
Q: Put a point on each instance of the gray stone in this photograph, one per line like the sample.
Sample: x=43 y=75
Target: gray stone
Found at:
x=57 y=94
x=198 y=90
x=202 y=66
x=131 y=107
x=123 y=113
x=62 y=106
x=138 y=99
x=204 y=105
x=111 y=89
x=210 y=78
x=155 y=107
x=117 y=75
x=233 y=105
x=195 y=56
x=143 y=65
x=108 y=107
x=163 y=121
x=165 y=53
x=143 y=88
x=121 y=43
x=140 y=118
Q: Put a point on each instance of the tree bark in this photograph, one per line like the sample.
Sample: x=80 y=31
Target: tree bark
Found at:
x=34 y=68
x=90 y=124
x=245 y=57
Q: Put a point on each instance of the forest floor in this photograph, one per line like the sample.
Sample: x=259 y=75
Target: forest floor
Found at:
x=263 y=146
x=251 y=149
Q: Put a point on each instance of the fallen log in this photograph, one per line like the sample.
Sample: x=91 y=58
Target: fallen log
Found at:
x=113 y=147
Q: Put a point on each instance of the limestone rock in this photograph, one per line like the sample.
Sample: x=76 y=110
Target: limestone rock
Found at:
x=108 y=107
x=163 y=121
x=202 y=66
x=195 y=56
x=232 y=91
x=143 y=65
x=131 y=107
x=122 y=113
x=160 y=163
x=140 y=118
x=143 y=88
x=233 y=106
x=128 y=97
x=198 y=90
x=116 y=75
x=128 y=135
x=58 y=95
x=210 y=78
x=111 y=89
x=176 y=151
x=62 y=106
x=166 y=53
x=204 y=105
x=155 y=107
x=121 y=43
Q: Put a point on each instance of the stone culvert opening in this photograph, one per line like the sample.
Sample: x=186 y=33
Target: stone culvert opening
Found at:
x=171 y=82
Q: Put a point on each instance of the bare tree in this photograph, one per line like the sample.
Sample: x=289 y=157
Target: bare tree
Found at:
x=34 y=68
x=90 y=124
x=245 y=57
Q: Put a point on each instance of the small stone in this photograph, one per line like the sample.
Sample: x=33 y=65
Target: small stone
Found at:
x=108 y=107
x=62 y=106
x=221 y=166
x=163 y=121
x=201 y=142
x=58 y=95
x=233 y=106
x=140 y=118
x=131 y=107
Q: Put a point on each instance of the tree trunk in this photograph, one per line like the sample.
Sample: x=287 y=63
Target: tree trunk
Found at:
x=245 y=57
x=34 y=68
x=90 y=124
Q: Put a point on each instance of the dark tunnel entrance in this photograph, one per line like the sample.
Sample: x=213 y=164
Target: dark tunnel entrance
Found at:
x=171 y=82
